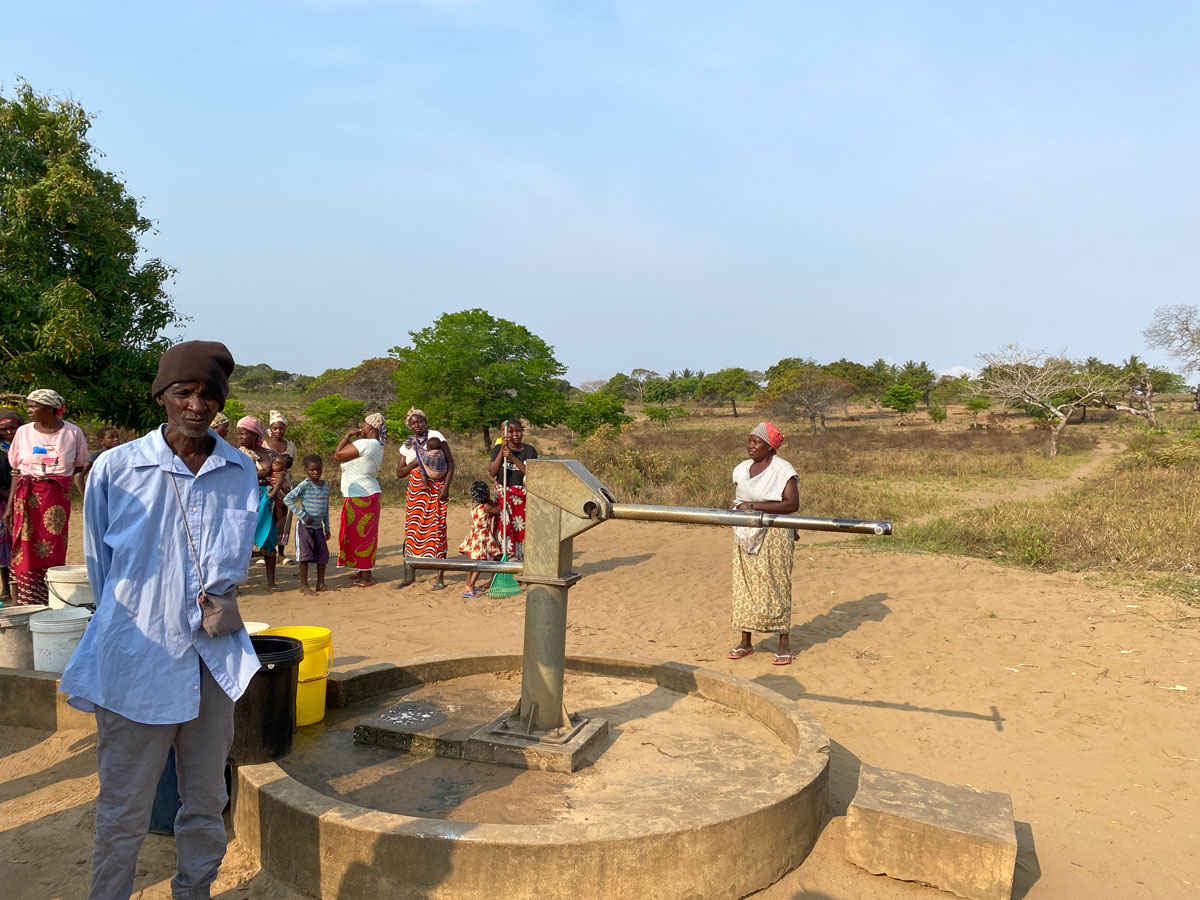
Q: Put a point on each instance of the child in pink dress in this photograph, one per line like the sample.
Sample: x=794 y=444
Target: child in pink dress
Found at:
x=481 y=542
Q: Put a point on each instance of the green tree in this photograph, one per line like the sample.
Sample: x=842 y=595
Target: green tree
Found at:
x=917 y=375
x=855 y=374
x=81 y=314
x=623 y=386
x=881 y=375
x=686 y=387
x=975 y=405
x=328 y=418
x=937 y=413
x=470 y=370
x=902 y=398
x=808 y=391
x=662 y=415
x=595 y=411
x=371 y=381
x=658 y=390
x=728 y=386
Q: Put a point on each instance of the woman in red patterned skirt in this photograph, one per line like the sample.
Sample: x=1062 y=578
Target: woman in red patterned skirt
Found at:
x=45 y=455
x=427 y=499
x=512 y=453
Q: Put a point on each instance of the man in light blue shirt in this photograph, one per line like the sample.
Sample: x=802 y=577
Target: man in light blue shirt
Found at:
x=145 y=666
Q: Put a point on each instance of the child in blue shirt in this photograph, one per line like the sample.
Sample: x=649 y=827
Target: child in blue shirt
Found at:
x=309 y=502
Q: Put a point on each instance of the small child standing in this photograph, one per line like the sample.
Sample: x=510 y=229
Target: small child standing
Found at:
x=481 y=542
x=309 y=502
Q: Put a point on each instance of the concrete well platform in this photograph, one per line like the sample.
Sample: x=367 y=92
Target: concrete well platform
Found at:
x=706 y=786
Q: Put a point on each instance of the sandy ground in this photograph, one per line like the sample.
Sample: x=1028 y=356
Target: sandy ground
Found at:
x=1064 y=693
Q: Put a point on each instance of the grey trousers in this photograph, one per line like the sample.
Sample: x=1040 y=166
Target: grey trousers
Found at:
x=131 y=757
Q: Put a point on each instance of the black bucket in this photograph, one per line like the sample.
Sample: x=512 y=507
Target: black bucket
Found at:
x=264 y=719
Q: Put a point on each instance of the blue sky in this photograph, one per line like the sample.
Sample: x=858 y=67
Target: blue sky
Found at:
x=650 y=184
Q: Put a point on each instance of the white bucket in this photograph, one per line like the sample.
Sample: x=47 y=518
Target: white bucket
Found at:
x=16 y=643
x=68 y=586
x=255 y=627
x=56 y=634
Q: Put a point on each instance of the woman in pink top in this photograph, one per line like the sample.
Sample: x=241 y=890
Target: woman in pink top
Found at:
x=45 y=455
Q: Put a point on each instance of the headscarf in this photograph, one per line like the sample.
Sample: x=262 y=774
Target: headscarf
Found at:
x=251 y=424
x=379 y=423
x=277 y=416
x=218 y=420
x=480 y=492
x=8 y=414
x=767 y=432
x=52 y=399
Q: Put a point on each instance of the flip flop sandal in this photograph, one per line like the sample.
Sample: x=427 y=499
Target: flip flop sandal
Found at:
x=472 y=595
x=738 y=653
x=439 y=587
x=783 y=659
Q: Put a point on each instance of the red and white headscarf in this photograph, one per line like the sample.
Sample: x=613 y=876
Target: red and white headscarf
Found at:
x=251 y=424
x=768 y=433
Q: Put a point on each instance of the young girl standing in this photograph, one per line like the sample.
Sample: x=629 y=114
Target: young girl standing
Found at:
x=481 y=542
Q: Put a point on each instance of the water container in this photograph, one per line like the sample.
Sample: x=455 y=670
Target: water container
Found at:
x=318 y=660
x=56 y=634
x=16 y=642
x=68 y=586
x=264 y=719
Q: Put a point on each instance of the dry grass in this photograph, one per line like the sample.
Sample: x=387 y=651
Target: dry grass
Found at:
x=1136 y=522
x=848 y=472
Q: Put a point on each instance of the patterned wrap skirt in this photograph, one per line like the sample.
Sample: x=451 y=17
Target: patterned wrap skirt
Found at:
x=358 y=537
x=424 y=518
x=41 y=512
x=512 y=520
x=762 y=584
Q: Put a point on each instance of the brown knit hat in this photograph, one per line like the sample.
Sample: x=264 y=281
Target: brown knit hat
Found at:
x=207 y=361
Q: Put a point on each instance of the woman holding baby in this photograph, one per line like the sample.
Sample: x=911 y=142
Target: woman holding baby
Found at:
x=360 y=454
x=426 y=461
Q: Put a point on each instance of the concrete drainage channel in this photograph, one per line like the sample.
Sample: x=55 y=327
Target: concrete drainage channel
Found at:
x=759 y=822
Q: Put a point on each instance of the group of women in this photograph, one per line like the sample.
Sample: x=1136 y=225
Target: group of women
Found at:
x=40 y=459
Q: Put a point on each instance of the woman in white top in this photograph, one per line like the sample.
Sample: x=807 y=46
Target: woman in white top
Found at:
x=361 y=454
x=762 y=557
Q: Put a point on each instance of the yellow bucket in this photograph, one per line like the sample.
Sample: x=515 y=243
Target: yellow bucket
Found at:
x=314 y=669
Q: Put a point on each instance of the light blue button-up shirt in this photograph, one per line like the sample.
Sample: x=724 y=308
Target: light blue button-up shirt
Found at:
x=140 y=654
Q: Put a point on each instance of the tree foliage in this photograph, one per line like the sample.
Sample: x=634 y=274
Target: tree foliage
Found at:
x=1053 y=385
x=371 y=382
x=262 y=377
x=470 y=370
x=903 y=398
x=327 y=419
x=596 y=411
x=81 y=315
x=727 y=386
x=662 y=415
x=808 y=392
